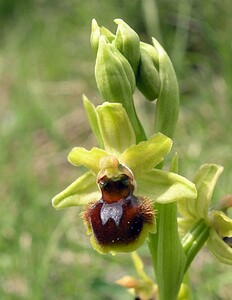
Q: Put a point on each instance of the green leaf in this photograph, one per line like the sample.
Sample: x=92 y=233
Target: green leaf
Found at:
x=144 y=156
x=90 y=159
x=165 y=187
x=115 y=127
x=79 y=193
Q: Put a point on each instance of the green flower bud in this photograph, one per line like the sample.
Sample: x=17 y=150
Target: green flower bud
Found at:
x=114 y=75
x=148 y=80
x=127 y=42
x=107 y=34
x=96 y=32
x=116 y=81
x=167 y=107
x=95 y=35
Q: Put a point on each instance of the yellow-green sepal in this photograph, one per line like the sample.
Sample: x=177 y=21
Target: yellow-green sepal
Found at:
x=219 y=247
x=166 y=187
x=91 y=113
x=79 y=193
x=90 y=159
x=205 y=181
x=144 y=156
x=116 y=130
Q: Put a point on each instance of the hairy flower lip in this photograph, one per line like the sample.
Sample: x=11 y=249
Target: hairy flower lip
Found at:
x=120 y=226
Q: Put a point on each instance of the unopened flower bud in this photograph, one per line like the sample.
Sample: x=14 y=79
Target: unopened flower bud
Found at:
x=116 y=81
x=96 y=32
x=95 y=35
x=114 y=75
x=148 y=80
x=127 y=42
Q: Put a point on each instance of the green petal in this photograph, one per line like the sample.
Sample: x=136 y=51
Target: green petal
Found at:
x=92 y=118
x=116 y=130
x=165 y=187
x=79 y=193
x=219 y=248
x=221 y=222
x=205 y=180
x=90 y=159
x=146 y=155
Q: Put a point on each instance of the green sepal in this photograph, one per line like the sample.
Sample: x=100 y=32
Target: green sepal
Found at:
x=90 y=159
x=205 y=181
x=79 y=193
x=167 y=107
x=144 y=156
x=127 y=42
x=148 y=79
x=91 y=113
x=219 y=248
x=116 y=130
x=165 y=187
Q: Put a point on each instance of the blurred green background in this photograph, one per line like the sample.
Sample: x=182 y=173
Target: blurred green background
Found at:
x=46 y=64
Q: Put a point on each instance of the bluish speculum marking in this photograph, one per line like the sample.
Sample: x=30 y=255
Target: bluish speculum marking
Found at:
x=112 y=211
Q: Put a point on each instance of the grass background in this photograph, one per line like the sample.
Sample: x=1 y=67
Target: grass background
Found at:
x=46 y=64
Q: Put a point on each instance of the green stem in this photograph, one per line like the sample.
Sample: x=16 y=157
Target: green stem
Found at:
x=194 y=240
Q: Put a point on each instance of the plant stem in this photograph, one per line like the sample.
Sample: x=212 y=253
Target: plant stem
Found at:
x=194 y=240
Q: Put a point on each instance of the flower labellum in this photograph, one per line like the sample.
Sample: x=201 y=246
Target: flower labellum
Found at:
x=119 y=220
